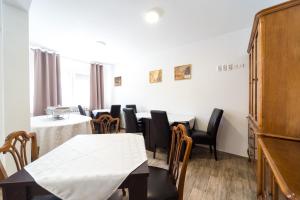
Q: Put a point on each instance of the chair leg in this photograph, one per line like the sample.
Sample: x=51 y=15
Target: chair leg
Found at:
x=210 y=149
x=154 y=152
x=215 y=152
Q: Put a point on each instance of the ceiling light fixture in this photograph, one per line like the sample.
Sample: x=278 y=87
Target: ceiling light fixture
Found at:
x=101 y=42
x=152 y=17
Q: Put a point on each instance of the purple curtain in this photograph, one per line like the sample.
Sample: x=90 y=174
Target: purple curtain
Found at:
x=96 y=87
x=47 y=85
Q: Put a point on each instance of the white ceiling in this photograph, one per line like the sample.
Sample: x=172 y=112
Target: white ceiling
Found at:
x=72 y=27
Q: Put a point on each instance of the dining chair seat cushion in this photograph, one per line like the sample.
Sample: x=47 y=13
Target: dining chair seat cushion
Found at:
x=45 y=197
x=200 y=137
x=160 y=186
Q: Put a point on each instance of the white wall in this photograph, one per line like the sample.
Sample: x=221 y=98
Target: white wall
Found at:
x=15 y=113
x=16 y=68
x=207 y=89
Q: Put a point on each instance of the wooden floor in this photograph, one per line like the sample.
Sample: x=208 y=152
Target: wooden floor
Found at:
x=229 y=178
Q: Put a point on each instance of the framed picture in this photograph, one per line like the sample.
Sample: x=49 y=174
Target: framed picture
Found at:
x=118 y=81
x=183 y=72
x=155 y=76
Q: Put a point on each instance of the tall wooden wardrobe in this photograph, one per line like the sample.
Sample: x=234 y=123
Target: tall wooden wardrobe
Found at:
x=274 y=94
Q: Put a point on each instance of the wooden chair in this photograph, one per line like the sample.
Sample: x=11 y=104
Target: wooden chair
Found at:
x=19 y=155
x=93 y=126
x=169 y=184
x=180 y=138
x=108 y=124
x=15 y=144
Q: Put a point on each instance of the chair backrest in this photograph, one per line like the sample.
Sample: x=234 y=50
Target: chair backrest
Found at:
x=108 y=124
x=115 y=111
x=161 y=132
x=15 y=144
x=180 y=141
x=130 y=120
x=82 y=112
x=214 y=122
x=133 y=106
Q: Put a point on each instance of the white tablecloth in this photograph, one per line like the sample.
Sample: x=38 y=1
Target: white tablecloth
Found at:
x=89 y=167
x=100 y=110
x=171 y=117
x=52 y=133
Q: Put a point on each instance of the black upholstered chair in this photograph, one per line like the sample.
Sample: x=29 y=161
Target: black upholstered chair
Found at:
x=161 y=131
x=210 y=136
x=133 y=106
x=82 y=112
x=115 y=111
x=132 y=125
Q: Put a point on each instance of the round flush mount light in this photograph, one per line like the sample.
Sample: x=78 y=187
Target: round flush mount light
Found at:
x=152 y=17
x=101 y=43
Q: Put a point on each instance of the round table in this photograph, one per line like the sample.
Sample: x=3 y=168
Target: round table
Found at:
x=52 y=132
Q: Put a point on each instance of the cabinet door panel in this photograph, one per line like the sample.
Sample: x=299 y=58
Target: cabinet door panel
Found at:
x=282 y=69
x=259 y=72
x=250 y=83
x=253 y=80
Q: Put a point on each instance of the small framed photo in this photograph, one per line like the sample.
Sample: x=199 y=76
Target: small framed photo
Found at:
x=155 y=76
x=118 y=81
x=183 y=72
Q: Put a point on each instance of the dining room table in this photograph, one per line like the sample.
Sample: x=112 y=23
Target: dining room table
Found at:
x=85 y=167
x=52 y=132
x=173 y=118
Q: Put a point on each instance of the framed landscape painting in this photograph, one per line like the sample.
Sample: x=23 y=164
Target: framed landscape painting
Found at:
x=155 y=76
x=118 y=81
x=183 y=72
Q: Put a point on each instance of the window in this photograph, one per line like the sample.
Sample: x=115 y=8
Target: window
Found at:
x=75 y=82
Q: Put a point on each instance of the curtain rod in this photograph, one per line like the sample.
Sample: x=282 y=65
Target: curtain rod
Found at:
x=70 y=58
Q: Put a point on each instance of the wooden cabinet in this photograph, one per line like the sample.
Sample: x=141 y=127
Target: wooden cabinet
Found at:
x=274 y=101
x=278 y=168
x=274 y=73
x=252 y=138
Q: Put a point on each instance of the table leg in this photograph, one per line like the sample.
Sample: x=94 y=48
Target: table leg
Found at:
x=13 y=193
x=138 y=190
